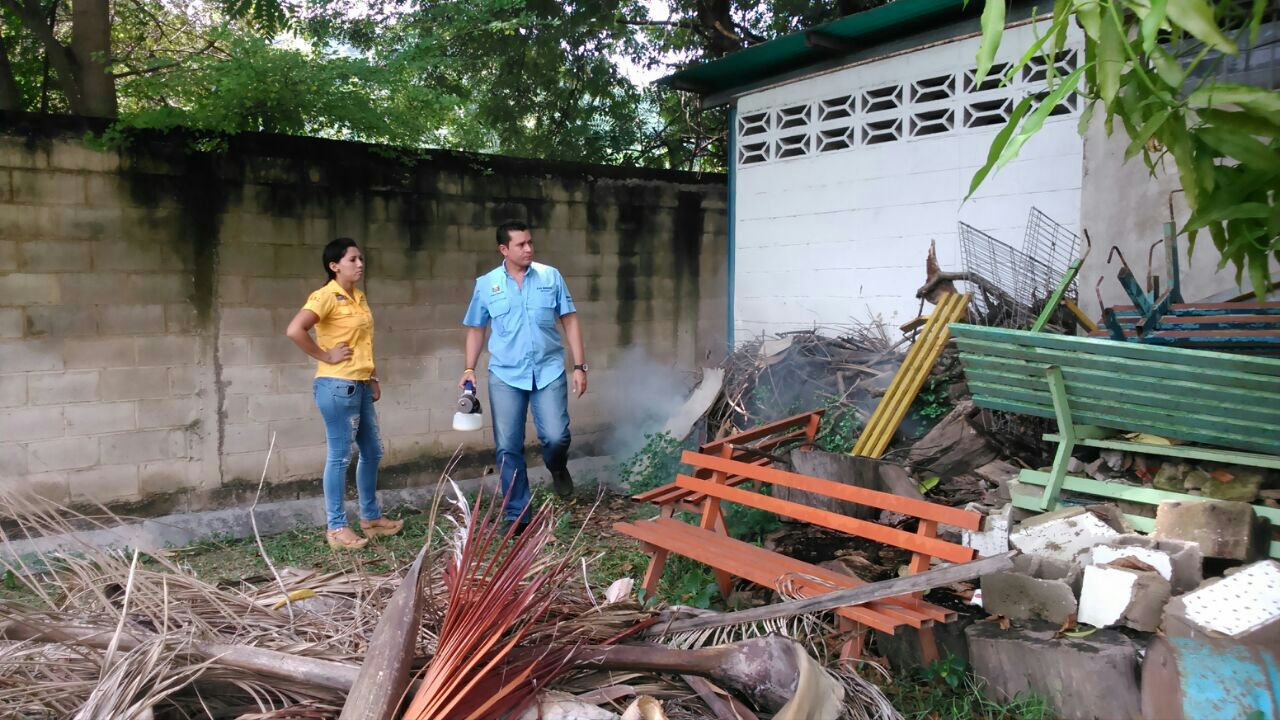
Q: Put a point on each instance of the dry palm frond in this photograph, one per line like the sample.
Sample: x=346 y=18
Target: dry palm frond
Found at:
x=498 y=588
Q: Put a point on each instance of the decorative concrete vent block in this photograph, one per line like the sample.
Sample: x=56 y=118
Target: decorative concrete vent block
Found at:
x=1062 y=535
x=993 y=539
x=1244 y=605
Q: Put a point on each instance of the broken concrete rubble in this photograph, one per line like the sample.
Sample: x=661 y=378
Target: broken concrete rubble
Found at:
x=1037 y=588
x=1222 y=529
x=1236 y=482
x=993 y=539
x=1244 y=606
x=1063 y=534
x=1087 y=678
x=1115 y=595
x=1177 y=561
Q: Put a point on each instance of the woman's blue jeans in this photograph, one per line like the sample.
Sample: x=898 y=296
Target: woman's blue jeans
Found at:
x=349 y=421
x=509 y=407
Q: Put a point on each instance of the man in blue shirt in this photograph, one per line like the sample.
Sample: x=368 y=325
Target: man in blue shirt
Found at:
x=521 y=300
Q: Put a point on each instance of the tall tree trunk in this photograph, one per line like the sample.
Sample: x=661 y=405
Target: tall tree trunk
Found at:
x=91 y=47
x=10 y=95
x=32 y=17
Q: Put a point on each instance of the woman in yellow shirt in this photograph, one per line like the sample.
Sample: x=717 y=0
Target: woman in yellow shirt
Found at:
x=346 y=387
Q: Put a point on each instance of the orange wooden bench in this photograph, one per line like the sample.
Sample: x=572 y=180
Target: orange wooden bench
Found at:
x=708 y=542
x=752 y=446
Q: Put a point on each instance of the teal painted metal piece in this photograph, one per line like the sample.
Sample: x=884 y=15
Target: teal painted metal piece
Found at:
x=1208 y=678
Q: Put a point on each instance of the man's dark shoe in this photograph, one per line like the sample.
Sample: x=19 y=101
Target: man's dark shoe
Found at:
x=562 y=483
x=505 y=528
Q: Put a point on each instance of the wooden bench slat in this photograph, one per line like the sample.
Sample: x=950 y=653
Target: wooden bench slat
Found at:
x=1121 y=418
x=766 y=568
x=761 y=431
x=852 y=526
x=1124 y=380
x=1202 y=359
x=963 y=519
x=1168 y=400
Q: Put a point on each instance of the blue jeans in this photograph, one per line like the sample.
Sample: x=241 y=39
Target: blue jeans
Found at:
x=509 y=407
x=349 y=419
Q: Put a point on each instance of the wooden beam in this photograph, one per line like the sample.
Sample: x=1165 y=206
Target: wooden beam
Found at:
x=841 y=598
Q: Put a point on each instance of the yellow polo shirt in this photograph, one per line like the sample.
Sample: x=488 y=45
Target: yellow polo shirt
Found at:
x=343 y=319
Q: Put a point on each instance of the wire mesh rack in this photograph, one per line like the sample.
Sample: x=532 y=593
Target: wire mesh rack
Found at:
x=1010 y=286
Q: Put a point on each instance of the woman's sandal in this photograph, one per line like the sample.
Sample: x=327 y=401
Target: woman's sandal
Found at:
x=381 y=526
x=345 y=539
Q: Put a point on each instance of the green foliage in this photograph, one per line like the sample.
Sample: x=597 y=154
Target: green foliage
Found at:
x=932 y=403
x=653 y=465
x=839 y=428
x=1152 y=64
x=946 y=691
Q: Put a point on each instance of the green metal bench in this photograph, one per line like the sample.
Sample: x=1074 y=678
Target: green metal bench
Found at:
x=1097 y=389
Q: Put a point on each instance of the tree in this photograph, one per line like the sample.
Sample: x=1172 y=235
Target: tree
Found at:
x=1154 y=65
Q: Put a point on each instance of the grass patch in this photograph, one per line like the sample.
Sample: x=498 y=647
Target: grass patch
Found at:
x=946 y=691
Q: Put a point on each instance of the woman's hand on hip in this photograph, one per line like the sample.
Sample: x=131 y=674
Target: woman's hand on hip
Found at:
x=376 y=389
x=338 y=354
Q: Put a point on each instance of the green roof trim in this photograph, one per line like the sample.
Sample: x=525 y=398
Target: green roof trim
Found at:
x=820 y=43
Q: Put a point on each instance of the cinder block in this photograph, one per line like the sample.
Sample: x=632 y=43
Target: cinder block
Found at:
x=185 y=380
x=28 y=289
x=1081 y=678
x=99 y=353
x=246 y=321
x=1177 y=561
x=283 y=292
x=46 y=256
x=282 y=407
x=253 y=259
x=52 y=486
x=276 y=349
x=62 y=454
x=297 y=433
x=248 y=467
x=293 y=261
x=1112 y=595
x=993 y=539
x=31 y=355
x=167 y=350
x=132 y=384
x=132 y=319
x=244 y=438
x=180 y=412
x=235 y=409
x=131 y=255
x=8 y=255
x=1061 y=535
x=13 y=460
x=305 y=462
x=104 y=484
x=93 y=288
x=61 y=321
x=1036 y=588
x=233 y=351
x=77 y=156
x=295 y=378
x=13 y=390
x=142 y=446
x=31 y=423
x=48 y=188
x=390 y=292
x=181 y=318
x=12 y=323
x=169 y=476
x=161 y=288
x=100 y=418
x=249 y=380
x=1222 y=529
x=59 y=388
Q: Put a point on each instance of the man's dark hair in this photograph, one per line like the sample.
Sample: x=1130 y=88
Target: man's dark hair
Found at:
x=335 y=251
x=508 y=227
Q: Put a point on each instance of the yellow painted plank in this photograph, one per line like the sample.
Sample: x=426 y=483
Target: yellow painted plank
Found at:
x=910 y=378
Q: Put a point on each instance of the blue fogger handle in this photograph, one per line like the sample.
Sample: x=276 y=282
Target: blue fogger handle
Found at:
x=468 y=386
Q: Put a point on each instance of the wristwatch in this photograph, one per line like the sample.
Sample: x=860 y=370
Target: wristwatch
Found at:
x=582 y=367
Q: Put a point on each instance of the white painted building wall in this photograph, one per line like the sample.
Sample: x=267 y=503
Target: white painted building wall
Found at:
x=826 y=235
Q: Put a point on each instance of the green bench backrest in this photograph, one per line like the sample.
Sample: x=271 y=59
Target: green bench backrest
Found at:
x=1191 y=395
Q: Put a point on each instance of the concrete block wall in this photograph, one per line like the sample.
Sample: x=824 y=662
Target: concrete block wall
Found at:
x=144 y=294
